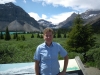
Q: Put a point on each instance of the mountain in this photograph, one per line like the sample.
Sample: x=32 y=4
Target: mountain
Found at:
x=68 y=22
x=16 y=19
x=89 y=17
x=45 y=23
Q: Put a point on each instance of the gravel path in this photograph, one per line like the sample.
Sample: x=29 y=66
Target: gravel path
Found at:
x=92 y=71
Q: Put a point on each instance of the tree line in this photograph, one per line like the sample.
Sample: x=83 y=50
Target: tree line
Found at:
x=57 y=34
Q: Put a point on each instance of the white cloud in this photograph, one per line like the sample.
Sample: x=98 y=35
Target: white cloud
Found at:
x=44 y=16
x=43 y=3
x=34 y=15
x=24 y=1
x=79 y=5
x=55 y=19
x=74 y=4
x=6 y=1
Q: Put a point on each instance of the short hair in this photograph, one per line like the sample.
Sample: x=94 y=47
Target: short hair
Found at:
x=47 y=30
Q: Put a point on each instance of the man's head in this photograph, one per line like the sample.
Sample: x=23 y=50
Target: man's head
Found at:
x=48 y=35
x=47 y=30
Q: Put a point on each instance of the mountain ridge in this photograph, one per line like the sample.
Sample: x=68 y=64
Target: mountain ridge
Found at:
x=11 y=13
x=18 y=20
x=91 y=17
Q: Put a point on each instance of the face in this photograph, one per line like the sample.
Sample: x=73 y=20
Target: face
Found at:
x=48 y=36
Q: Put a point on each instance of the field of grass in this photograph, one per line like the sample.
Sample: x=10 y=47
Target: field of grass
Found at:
x=23 y=51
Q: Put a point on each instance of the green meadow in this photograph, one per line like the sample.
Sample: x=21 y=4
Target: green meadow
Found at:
x=14 y=51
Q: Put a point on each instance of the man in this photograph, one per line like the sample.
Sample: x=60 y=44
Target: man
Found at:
x=46 y=56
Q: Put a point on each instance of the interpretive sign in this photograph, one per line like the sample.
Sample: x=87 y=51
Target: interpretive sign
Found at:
x=75 y=67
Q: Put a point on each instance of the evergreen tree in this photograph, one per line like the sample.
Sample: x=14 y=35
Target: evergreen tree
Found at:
x=17 y=38
x=32 y=36
x=38 y=36
x=54 y=35
x=41 y=36
x=23 y=37
x=7 y=35
x=64 y=35
x=14 y=36
x=1 y=36
x=80 y=38
x=59 y=34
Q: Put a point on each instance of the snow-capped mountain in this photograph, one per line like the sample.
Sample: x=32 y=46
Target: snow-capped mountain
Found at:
x=12 y=14
x=68 y=22
x=90 y=13
x=46 y=23
x=88 y=17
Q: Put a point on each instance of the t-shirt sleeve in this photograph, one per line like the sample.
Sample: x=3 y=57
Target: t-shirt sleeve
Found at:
x=37 y=54
x=62 y=51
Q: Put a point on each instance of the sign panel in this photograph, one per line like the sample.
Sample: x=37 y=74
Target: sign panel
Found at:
x=28 y=68
x=72 y=65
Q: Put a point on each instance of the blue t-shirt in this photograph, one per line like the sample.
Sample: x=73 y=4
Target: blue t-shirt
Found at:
x=48 y=57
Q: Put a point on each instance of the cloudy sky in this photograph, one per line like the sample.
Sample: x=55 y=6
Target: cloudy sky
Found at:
x=54 y=11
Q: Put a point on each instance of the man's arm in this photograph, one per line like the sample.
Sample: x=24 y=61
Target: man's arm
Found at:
x=37 y=70
x=65 y=65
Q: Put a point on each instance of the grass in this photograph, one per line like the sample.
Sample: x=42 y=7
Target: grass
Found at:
x=23 y=51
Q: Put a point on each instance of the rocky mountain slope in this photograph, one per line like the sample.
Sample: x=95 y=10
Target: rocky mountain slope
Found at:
x=89 y=17
x=45 y=23
x=16 y=19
